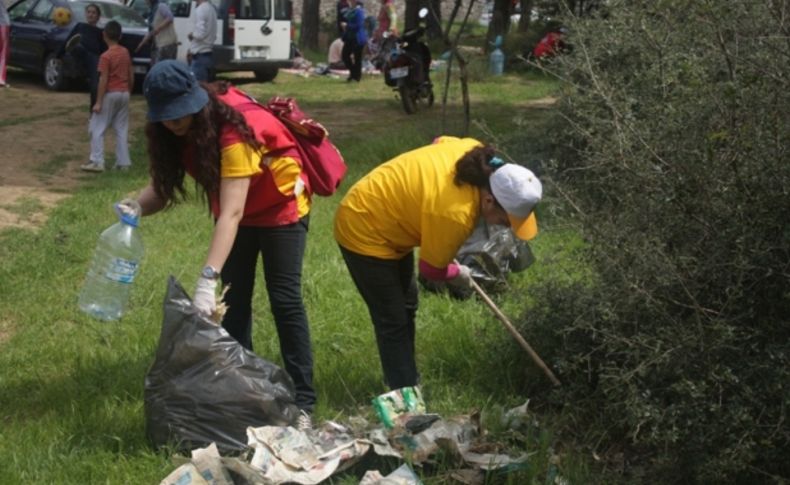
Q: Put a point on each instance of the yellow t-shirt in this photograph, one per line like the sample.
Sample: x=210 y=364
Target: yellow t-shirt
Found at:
x=411 y=201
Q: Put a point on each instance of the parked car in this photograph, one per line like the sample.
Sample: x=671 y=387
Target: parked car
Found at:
x=37 y=44
x=252 y=35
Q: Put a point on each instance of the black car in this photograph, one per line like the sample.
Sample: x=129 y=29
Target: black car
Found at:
x=38 y=45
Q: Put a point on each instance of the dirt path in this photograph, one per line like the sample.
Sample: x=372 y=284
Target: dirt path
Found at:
x=43 y=141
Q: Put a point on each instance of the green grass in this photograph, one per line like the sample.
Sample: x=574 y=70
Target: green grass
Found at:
x=71 y=388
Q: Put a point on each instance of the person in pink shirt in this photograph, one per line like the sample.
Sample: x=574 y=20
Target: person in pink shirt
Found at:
x=5 y=27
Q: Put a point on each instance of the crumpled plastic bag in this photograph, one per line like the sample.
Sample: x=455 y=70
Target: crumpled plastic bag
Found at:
x=205 y=387
x=491 y=252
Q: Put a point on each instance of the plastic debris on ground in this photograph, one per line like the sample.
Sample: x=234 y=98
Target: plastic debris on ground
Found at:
x=491 y=252
x=283 y=454
x=396 y=406
x=401 y=476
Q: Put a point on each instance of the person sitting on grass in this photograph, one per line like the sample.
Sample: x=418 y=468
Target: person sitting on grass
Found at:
x=116 y=82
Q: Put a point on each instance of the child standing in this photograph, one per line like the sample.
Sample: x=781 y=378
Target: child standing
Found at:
x=116 y=80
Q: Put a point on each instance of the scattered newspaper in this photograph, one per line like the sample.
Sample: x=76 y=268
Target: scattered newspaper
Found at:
x=287 y=455
x=206 y=468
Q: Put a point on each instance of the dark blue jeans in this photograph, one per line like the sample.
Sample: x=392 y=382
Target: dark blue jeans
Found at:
x=389 y=288
x=282 y=249
x=87 y=53
x=202 y=66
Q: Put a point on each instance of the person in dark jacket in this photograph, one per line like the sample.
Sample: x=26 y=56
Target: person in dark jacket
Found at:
x=342 y=8
x=355 y=37
x=85 y=45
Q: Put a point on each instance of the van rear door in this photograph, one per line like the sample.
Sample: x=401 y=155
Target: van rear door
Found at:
x=261 y=30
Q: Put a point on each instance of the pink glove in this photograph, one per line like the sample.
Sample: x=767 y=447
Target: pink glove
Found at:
x=205 y=299
x=463 y=279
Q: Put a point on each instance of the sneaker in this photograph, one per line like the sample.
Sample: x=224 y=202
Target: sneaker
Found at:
x=304 y=422
x=122 y=168
x=92 y=167
x=72 y=42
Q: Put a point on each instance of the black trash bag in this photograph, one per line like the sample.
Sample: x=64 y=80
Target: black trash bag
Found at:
x=491 y=252
x=205 y=387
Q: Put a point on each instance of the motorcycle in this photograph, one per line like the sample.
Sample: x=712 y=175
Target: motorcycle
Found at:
x=406 y=62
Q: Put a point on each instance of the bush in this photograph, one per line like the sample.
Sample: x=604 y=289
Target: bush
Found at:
x=674 y=161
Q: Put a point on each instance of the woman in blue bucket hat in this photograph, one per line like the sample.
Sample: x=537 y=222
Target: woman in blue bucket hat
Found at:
x=246 y=164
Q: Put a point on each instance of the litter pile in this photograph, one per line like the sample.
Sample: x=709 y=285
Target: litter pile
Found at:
x=204 y=388
x=283 y=454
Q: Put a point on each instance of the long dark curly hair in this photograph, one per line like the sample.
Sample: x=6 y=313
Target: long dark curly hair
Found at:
x=473 y=167
x=166 y=150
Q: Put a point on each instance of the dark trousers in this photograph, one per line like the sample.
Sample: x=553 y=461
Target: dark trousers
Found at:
x=89 y=61
x=389 y=288
x=282 y=249
x=352 y=58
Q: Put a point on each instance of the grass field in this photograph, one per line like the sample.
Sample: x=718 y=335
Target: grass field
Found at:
x=71 y=388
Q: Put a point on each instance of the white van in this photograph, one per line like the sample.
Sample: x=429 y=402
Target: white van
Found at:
x=252 y=35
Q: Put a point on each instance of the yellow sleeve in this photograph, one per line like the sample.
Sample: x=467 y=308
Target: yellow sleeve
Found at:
x=240 y=160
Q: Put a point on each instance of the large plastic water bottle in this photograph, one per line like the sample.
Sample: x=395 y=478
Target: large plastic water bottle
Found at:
x=496 y=59
x=116 y=261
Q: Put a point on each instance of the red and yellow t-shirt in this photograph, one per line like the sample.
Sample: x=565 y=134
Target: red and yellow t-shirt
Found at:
x=277 y=194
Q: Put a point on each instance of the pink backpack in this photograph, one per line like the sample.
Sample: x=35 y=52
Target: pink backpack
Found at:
x=321 y=160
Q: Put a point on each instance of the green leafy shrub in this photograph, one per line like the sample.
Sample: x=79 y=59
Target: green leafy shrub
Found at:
x=674 y=162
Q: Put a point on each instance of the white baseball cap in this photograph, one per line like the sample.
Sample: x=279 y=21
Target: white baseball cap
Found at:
x=517 y=190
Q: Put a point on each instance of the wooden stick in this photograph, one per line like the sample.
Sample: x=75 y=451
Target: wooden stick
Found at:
x=510 y=328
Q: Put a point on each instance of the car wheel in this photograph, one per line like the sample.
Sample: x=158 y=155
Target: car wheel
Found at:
x=266 y=75
x=54 y=77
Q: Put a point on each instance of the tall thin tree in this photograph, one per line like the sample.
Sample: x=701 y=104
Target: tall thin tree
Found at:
x=308 y=34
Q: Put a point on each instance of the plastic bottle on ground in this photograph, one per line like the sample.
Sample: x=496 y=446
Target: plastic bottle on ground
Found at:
x=496 y=59
x=116 y=261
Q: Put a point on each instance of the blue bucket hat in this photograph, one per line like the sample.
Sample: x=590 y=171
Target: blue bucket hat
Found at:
x=172 y=91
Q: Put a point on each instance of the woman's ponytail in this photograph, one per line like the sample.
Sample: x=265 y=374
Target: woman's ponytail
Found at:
x=474 y=167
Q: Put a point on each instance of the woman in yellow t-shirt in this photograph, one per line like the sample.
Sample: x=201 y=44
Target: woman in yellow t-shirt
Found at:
x=429 y=198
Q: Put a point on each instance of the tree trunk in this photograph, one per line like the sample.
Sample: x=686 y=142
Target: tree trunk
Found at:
x=526 y=13
x=410 y=18
x=500 y=22
x=308 y=34
x=464 y=77
x=434 y=18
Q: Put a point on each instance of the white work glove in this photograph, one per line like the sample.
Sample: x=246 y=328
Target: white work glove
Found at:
x=463 y=279
x=205 y=299
x=127 y=206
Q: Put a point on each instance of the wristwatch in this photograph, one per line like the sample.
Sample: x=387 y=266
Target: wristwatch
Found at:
x=210 y=273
